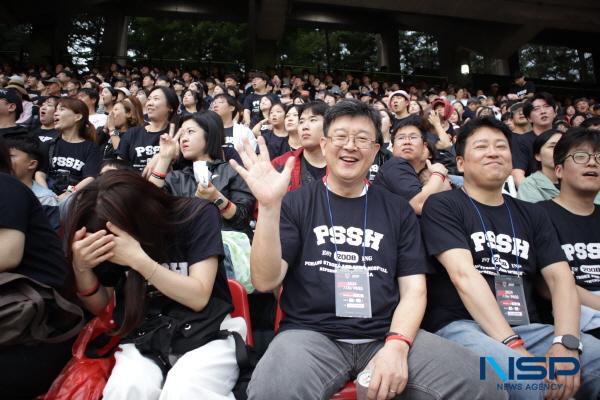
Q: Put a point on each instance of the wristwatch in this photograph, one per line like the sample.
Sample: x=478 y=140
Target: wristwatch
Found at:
x=115 y=132
x=220 y=202
x=570 y=342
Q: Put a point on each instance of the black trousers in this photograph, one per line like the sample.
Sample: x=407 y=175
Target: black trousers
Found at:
x=28 y=371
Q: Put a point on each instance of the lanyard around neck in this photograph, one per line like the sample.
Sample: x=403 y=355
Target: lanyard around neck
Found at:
x=366 y=191
x=487 y=241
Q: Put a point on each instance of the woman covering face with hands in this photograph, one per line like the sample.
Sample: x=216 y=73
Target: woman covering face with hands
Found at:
x=163 y=264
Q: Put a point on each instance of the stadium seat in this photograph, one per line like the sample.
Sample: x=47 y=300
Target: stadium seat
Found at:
x=241 y=307
x=348 y=392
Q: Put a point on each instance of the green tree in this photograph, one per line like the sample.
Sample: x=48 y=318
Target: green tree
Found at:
x=556 y=63
x=161 y=38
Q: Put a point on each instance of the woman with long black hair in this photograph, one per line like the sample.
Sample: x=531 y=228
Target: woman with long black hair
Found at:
x=140 y=143
x=163 y=263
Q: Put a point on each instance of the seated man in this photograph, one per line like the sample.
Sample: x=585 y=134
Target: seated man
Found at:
x=412 y=155
x=490 y=248
x=350 y=260
x=576 y=217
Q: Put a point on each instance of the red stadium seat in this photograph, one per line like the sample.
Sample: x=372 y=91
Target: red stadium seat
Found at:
x=241 y=307
x=348 y=392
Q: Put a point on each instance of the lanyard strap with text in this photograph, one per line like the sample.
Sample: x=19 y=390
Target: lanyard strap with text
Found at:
x=366 y=191
x=487 y=241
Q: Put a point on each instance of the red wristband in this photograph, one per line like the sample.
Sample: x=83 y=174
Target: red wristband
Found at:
x=227 y=207
x=159 y=174
x=440 y=175
x=398 y=336
x=516 y=343
x=90 y=292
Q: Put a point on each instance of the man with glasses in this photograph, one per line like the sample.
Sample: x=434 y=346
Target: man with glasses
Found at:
x=489 y=251
x=412 y=158
x=540 y=111
x=577 y=219
x=349 y=258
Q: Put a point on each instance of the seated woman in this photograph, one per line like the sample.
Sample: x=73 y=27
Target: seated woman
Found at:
x=30 y=247
x=191 y=102
x=125 y=114
x=73 y=157
x=163 y=263
x=200 y=139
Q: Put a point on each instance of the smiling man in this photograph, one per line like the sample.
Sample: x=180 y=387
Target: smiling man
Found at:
x=540 y=111
x=577 y=219
x=489 y=250
x=349 y=258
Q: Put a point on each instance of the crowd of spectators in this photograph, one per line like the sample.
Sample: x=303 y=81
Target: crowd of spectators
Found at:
x=189 y=179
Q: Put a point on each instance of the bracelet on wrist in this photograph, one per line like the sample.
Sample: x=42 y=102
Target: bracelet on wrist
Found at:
x=227 y=207
x=510 y=339
x=90 y=292
x=159 y=174
x=398 y=336
x=516 y=343
x=153 y=272
x=440 y=175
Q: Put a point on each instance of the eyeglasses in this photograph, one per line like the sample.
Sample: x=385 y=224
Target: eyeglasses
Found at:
x=404 y=138
x=581 y=157
x=359 y=141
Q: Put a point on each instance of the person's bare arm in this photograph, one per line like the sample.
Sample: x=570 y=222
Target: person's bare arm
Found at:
x=268 y=187
x=11 y=248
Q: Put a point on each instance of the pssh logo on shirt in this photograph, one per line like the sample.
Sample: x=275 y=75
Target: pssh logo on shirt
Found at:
x=353 y=236
x=67 y=162
x=146 y=150
x=501 y=243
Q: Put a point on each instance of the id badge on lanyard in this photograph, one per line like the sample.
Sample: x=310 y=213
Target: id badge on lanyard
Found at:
x=510 y=296
x=352 y=287
x=352 y=293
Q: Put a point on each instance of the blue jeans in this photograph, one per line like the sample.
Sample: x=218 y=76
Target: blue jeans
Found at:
x=538 y=339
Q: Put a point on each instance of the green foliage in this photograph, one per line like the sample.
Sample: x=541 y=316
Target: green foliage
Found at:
x=418 y=52
x=85 y=38
x=13 y=39
x=556 y=63
x=316 y=48
x=161 y=38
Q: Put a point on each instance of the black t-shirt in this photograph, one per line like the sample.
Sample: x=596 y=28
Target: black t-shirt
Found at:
x=252 y=103
x=228 y=135
x=522 y=150
x=45 y=135
x=13 y=131
x=43 y=258
x=277 y=145
x=393 y=249
x=381 y=157
x=399 y=177
x=521 y=91
x=197 y=240
x=579 y=237
x=81 y=159
x=138 y=145
x=316 y=172
x=450 y=221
